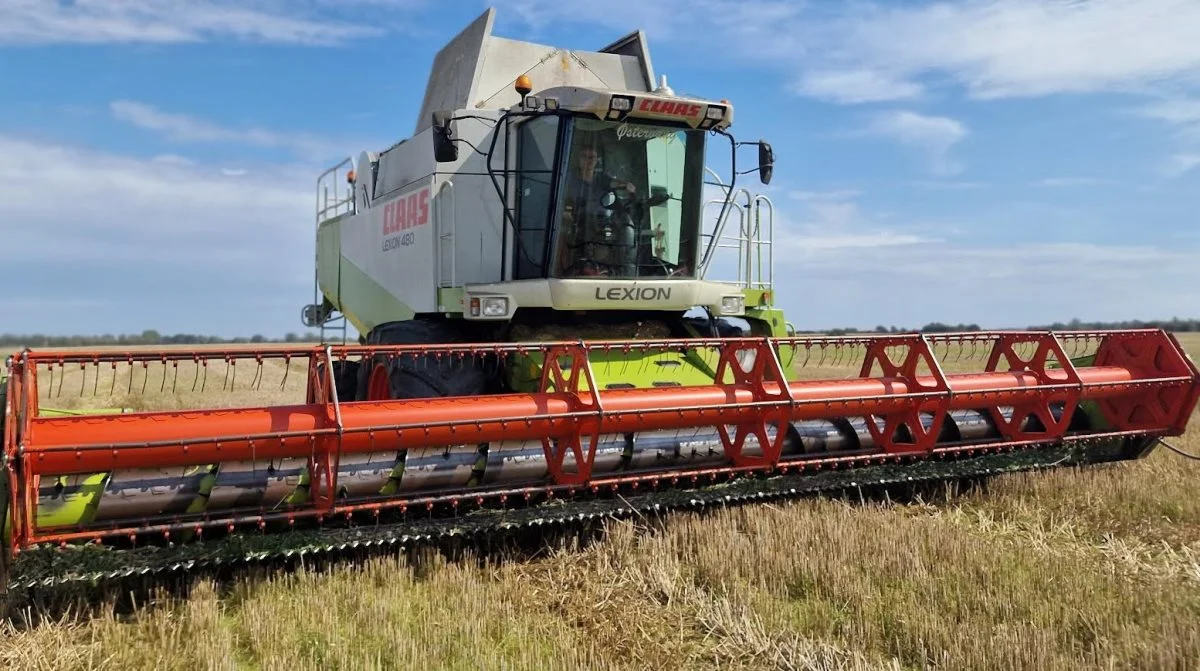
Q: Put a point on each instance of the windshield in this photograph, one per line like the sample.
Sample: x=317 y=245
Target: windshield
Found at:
x=630 y=201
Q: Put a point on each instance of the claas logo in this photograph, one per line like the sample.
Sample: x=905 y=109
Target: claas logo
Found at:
x=406 y=212
x=669 y=108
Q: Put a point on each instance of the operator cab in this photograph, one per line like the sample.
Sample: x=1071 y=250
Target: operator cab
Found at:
x=604 y=184
x=595 y=198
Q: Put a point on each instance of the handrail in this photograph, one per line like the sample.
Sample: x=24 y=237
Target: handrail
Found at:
x=448 y=185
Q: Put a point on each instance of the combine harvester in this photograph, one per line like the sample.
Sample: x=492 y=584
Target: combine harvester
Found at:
x=533 y=356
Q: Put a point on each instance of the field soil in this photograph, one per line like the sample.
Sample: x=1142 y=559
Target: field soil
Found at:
x=1071 y=569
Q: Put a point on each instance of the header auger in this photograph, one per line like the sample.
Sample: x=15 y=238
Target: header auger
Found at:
x=531 y=275
x=110 y=485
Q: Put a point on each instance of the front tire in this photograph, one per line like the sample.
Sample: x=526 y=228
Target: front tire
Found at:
x=420 y=375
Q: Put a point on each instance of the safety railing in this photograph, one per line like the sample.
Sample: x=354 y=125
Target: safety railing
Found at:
x=753 y=240
x=335 y=198
x=445 y=212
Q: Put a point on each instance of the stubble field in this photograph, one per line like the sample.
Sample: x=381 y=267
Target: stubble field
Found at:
x=1097 y=568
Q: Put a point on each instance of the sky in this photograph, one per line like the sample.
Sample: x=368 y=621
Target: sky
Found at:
x=1000 y=163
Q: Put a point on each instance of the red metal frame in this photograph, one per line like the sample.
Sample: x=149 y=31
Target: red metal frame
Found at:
x=583 y=402
x=932 y=394
x=763 y=370
x=1149 y=357
x=1142 y=381
x=1060 y=385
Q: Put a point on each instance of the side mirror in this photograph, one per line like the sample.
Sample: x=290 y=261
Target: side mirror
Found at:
x=444 y=149
x=766 y=161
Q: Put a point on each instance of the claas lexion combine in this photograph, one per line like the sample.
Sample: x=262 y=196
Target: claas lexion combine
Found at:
x=540 y=342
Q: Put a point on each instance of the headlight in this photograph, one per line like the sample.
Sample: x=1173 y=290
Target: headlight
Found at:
x=732 y=305
x=489 y=306
x=620 y=103
x=715 y=113
x=494 y=306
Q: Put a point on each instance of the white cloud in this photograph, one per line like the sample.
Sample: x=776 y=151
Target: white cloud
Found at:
x=1178 y=111
x=1182 y=113
x=1182 y=163
x=947 y=185
x=837 y=264
x=816 y=244
x=1069 y=181
x=185 y=128
x=871 y=51
x=933 y=136
x=833 y=220
x=43 y=22
x=1017 y=47
x=168 y=242
x=173 y=159
x=838 y=194
x=911 y=285
x=856 y=86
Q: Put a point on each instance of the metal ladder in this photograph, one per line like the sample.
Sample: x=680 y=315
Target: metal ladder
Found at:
x=331 y=202
x=753 y=240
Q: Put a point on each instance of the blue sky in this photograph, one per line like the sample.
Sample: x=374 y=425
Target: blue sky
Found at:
x=1003 y=163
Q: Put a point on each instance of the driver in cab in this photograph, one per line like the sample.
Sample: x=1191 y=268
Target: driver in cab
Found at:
x=586 y=186
x=585 y=191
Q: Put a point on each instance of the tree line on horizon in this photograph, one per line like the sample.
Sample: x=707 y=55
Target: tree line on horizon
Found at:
x=153 y=337
x=1174 y=324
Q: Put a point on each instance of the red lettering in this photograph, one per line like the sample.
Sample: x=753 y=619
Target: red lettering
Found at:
x=669 y=107
x=406 y=212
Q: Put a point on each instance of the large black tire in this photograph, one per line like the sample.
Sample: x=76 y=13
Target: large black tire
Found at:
x=423 y=376
x=345 y=379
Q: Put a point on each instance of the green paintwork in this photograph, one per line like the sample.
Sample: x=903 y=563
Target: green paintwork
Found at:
x=339 y=278
x=1091 y=409
x=640 y=368
x=62 y=412
x=451 y=300
x=373 y=305
x=329 y=258
x=770 y=322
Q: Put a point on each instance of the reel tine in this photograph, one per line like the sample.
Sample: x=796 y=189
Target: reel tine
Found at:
x=287 y=369
x=50 y=372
